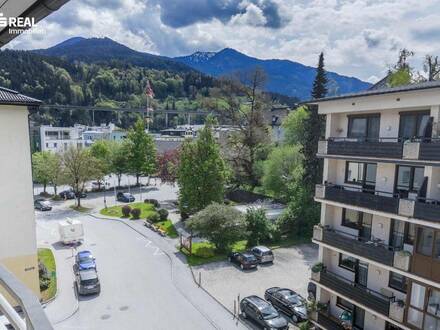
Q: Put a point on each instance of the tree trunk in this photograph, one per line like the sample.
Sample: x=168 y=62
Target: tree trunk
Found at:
x=44 y=187
x=137 y=179
x=78 y=200
x=119 y=180
x=55 y=189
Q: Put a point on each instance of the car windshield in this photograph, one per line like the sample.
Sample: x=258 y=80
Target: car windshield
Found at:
x=89 y=281
x=44 y=203
x=127 y=195
x=267 y=253
x=269 y=312
x=249 y=257
x=295 y=299
x=85 y=258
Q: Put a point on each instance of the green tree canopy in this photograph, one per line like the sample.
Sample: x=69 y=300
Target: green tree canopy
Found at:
x=258 y=227
x=46 y=168
x=119 y=159
x=222 y=225
x=201 y=173
x=294 y=128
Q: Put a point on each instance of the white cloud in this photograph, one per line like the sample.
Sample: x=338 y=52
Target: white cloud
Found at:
x=360 y=37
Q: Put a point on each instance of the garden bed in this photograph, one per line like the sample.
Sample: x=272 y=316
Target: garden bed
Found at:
x=116 y=211
x=47 y=258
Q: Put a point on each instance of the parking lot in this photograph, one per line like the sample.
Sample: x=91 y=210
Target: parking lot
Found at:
x=226 y=281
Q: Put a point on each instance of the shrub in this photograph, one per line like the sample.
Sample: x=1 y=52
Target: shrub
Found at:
x=56 y=198
x=155 y=202
x=153 y=217
x=136 y=213
x=205 y=252
x=163 y=214
x=126 y=210
x=318 y=267
x=44 y=276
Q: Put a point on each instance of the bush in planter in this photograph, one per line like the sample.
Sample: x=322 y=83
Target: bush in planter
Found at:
x=153 y=217
x=155 y=202
x=126 y=210
x=318 y=267
x=163 y=214
x=135 y=213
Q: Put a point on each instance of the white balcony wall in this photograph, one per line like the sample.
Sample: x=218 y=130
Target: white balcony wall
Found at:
x=385 y=177
x=381 y=228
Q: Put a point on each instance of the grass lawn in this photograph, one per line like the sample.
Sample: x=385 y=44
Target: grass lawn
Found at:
x=116 y=211
x=204 y=252
x=47 y=258
x=168 y=227
x=81 y=209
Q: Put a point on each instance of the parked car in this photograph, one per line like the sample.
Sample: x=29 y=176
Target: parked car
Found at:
x=289 y=302
x=42 y=205
x=87 y=282
x=245 y=260
x=263 y=313
x=67 y=194
x=97 y=185
x=125 y=197
x=263 y=254
x=85 y=260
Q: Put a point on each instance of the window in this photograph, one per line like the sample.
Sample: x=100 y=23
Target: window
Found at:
x=414 y=125
x=424 y=314
x=398 y=282
x=361 y=173
x=350 y=218
x=425 y=240
x=347 y=262
x=344 y=304
x=364 y=127
x=358 y=220
x=409 y=178
x=401 y=233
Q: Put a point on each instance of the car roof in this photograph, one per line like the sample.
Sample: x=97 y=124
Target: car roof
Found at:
x=247 y=255
x=257 y=301
x=288 y=292
x=262 y=248
x=84 y=252
x=88 y=274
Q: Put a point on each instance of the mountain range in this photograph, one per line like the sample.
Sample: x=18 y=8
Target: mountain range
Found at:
x=283 y=76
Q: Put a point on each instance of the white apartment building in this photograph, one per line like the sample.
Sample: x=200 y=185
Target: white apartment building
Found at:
x=58 y=139
x=379 y=235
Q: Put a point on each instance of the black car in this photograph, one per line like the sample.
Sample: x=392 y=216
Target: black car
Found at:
x=125 y=197
x=245 y=260
x=42 y=205
x=67 y=194
x=263 y=313
x=288 y=302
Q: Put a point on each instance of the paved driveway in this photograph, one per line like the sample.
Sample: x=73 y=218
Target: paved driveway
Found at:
x=290 y=269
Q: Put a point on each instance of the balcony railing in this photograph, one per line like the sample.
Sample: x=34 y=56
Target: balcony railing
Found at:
x=34 y=316
x=356 y=292
x=329 y=322
x=357 y=196
x=370 y=249
x=427 y=209
x=364 y=147
x=427 y=149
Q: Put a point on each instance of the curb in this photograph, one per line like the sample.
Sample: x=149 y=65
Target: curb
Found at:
x=172 y=273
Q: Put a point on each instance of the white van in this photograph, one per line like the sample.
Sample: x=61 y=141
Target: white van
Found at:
x=71 y=231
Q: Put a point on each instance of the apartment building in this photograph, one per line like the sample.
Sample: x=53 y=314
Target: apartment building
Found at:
x=379 y=235
x=58 y=139
x=18 y=243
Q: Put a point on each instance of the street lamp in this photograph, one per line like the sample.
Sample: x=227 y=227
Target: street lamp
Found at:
x=105 y=189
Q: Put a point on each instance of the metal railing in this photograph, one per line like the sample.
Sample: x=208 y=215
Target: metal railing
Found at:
x=384 y=139
x=34 y=316
x=371 y=241
x=363 y=190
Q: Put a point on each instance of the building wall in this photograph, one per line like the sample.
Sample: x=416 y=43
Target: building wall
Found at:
x=18 y=247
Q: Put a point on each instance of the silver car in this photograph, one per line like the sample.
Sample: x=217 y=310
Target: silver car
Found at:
x=87 y=282
x=263 y=254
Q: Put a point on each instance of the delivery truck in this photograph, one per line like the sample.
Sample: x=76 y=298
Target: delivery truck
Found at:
x=71 y=231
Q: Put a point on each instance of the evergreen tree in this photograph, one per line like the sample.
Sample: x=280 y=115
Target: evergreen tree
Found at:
x=201 y=173
x=314 y=129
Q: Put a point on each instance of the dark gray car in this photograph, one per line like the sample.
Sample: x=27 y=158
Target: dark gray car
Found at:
x=263 y=313
x=87 y=282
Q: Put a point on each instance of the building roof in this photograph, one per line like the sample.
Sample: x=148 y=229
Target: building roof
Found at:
x=8 y=96
x=379 y=91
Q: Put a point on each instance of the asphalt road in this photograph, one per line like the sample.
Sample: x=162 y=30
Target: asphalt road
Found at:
x=145 y=283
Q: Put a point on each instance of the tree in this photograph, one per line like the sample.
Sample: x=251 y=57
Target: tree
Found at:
x=279 y=168
x=101 y=151
x=141 y=151
x=258 y=227
x=201 y=174
x=79 y=167
x=168 y=165
x=294 y=128
x=41 y=168
x=55 y=171
x=401 y=73
x=432 y=67
x=243 y=105
x=119 y=159
x=222 y=225
x=314 y=129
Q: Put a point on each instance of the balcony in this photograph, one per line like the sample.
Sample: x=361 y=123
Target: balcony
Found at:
x=362 y=147
x=360 y=294
x=427 y=149
x=370 y=249
x=328 y=322
x=357 y=196
x=420 y=208
x=34 y=316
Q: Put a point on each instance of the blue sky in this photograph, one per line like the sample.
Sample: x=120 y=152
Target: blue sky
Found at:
x=359 y=37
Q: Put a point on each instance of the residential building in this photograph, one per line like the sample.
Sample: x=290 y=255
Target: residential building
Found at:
x=379 y=235
x=275 y=118
x=58 y=139
x=18 y=244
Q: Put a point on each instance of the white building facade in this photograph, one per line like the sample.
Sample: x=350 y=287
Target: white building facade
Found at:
x=379 y=235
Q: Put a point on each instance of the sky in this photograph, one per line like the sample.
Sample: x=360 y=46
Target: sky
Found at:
x=360 y=38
